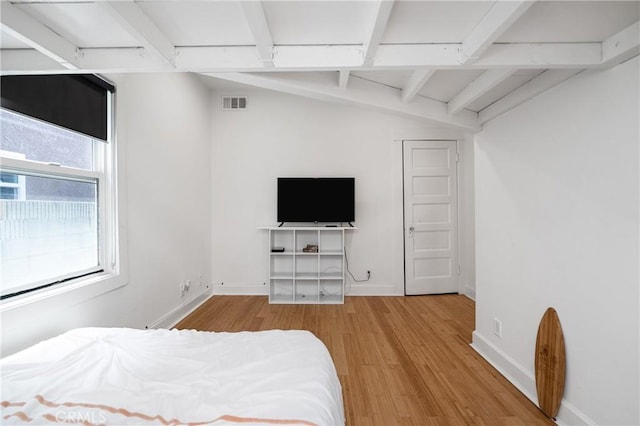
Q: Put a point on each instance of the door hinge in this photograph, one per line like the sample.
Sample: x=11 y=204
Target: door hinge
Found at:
x=458 y=269
x=457 y=157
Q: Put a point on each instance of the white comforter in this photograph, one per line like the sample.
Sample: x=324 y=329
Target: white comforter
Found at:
x=124 y=376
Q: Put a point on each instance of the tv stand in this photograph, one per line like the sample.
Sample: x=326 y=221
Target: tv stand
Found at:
x=307 y=264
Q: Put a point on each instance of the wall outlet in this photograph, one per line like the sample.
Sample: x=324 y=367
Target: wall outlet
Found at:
x=497 y=328
x=184 y=287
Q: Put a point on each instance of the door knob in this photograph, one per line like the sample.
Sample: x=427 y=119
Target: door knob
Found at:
x=411 y=229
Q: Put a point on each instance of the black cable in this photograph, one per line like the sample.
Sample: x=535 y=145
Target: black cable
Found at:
x=346 y=261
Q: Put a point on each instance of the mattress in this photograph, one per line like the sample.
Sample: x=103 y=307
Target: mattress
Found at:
x=124 y=376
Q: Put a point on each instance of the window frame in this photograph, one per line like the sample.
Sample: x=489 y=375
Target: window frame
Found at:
x=110 y=271
x=20 y=185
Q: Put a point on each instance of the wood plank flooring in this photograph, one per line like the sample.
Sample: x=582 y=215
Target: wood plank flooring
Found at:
x=401 y=360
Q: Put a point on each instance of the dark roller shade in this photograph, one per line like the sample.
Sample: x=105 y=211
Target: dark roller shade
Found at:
x=76 y=102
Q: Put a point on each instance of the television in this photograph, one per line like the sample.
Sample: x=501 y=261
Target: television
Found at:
x=323 y=199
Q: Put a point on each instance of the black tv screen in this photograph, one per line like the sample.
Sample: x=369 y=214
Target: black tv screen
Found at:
x=330 y=199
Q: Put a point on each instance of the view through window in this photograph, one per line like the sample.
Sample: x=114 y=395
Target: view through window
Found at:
x=49 y=203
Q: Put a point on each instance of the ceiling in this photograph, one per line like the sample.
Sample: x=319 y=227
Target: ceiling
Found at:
x=454 y=63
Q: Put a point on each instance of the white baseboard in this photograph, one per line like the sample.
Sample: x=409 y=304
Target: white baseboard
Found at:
x=470 y=292
x=233 y=289
x=370 y=290
x=179 y=313
x=263 y=290
x=524 y=380
x=241 y=289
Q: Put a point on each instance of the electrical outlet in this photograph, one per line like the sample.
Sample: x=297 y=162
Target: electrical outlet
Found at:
x=184 y=287
x=497 y=328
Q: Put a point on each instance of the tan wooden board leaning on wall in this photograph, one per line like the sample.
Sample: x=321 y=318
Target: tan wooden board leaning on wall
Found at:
x=550 y=363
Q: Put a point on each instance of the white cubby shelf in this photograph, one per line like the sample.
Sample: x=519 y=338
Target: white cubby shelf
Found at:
x=296 y=276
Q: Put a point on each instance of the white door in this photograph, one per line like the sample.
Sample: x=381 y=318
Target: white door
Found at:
x=430 y=217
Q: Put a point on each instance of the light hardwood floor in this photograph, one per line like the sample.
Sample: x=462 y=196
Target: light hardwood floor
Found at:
x=401 y=360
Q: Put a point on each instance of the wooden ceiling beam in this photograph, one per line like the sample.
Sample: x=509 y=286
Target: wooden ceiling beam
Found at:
x=93 y=61
x=415 y=83
x=621 y=46
x=343 y=78
x=133 y=19
x=257 y=21
x=28 y=61
x=516 y=55
x=541 y=56
x=478 y=87
x=532 y=88
x=311 y=58
x=499 y=18
x=28 y=30
x=317 y=57
x=382 y=11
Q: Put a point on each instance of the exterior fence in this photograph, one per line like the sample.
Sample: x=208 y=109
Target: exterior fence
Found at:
x=42 y=240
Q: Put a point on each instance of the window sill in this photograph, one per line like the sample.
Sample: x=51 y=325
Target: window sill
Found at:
x=76 y=291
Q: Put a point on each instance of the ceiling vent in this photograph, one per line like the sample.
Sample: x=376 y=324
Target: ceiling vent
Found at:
x=234 y=103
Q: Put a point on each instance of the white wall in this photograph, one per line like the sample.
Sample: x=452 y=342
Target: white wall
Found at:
x=163 y=129
x=285 y=135
x=466 y=217
x=557 y=189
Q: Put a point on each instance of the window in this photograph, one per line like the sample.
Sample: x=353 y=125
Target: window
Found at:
x=57 y=209
x=11 y=186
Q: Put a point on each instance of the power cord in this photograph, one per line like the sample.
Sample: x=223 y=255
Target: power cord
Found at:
x=346 y=261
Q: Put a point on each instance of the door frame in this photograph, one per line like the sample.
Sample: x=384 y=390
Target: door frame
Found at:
x=457 y=267
x=465 y=149
x=466 y=281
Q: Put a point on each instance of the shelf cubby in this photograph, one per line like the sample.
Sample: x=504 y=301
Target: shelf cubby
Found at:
x=296 y=276
x=331 y=291
x=281 y=290
x=307 y=291
x=284 y=239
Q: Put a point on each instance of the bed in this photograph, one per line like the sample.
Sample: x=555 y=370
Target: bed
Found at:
x=119 y=376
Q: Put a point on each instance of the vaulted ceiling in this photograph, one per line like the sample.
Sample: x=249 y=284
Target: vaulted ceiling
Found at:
x=458 y=63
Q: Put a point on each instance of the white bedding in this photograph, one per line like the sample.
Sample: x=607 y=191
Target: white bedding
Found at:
x=124 y=376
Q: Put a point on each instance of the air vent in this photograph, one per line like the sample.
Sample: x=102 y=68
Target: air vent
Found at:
x=234 y=103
